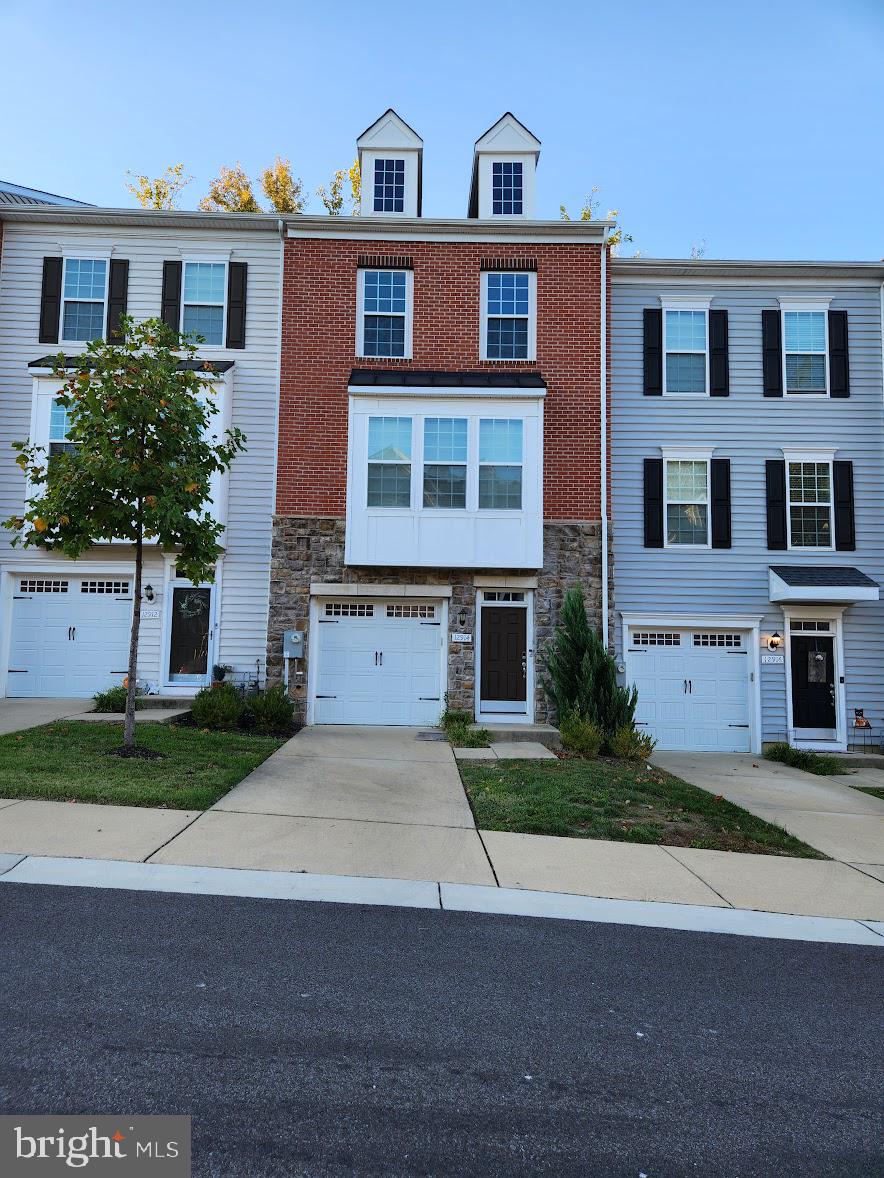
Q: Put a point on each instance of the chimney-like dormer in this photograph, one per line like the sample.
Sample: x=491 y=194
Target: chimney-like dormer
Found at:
x=390 y=160
x=504 y=163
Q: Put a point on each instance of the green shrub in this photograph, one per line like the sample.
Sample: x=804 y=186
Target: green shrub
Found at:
x=218 y=707
x=452 y=716
x=805 y=759
x=580 y=735
x=112 y=700
x=628 y=744
x=580 y=675
x=465 y=736
x=272 y=709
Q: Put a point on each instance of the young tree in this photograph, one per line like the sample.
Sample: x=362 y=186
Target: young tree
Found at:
x=333 y=197
x=140 y=465
x=284 y=192
x=589 y=212
x=231 y=191
x=161 y=192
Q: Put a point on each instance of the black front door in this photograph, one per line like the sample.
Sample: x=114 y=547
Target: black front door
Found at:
x=189 y=639
x=504 y=682
x=813 y=681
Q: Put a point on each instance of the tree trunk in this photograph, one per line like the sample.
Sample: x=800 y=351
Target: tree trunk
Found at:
x=129 y=726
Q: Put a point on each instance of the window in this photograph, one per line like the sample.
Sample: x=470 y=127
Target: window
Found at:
x=500 y=464
x=203 y=298
x=411 y=611
x=810 y=627
x=506 y=189
x=809 y=491
x=730 y=640
x=445 y=462
x=657 y=638
x=509 y=316
x=686 y=353
x=113 y=587
x=85 y=290
x=59 y=424
x=804 y=335
x=349 y=609
x=389 y=186
x=42 y=586
x=501 y=595
x=389 y=462
x=687 y=502
x=384 y=327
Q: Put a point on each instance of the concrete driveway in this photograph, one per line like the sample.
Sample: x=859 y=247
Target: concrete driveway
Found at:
x=16 y=714
x=348 y=800
x=824 y=812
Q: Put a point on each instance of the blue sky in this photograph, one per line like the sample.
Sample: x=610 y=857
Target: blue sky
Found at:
x=755 y=126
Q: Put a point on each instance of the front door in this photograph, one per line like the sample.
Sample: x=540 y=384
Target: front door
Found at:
x=813 y=686
x=504 y=670
x=190 y=635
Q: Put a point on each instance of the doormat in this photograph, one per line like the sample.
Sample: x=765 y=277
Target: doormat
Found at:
x=431 y=735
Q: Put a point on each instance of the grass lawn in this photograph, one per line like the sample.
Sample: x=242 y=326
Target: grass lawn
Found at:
x=876 y=791
x=67 y=761
x=607 y=799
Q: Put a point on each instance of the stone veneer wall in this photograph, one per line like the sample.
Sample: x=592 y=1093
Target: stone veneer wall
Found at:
x=306 y=550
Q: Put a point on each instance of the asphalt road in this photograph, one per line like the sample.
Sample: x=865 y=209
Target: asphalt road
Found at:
x=313 y=1039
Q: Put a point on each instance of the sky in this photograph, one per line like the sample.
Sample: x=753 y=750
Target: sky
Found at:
x=749 y=130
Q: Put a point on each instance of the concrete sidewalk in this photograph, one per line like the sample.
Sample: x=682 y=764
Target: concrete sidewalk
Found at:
x=18 y=714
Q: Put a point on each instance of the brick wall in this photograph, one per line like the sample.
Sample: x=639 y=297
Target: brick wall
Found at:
x=318 y=351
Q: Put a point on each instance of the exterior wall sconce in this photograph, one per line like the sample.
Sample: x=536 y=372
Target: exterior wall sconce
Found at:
x=148 y=593
x=462 y=618
x=774 y=642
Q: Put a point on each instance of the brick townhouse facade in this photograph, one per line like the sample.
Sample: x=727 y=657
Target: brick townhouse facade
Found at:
x=440 y=447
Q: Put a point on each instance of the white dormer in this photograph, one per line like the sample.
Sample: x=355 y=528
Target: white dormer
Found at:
x=504 y=164
x=390 y=160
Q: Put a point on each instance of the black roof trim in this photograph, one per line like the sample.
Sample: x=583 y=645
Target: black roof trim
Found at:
x=409 y=378
x=823 y=576
x=500 y=119
x=391 y=111
x=73 y=362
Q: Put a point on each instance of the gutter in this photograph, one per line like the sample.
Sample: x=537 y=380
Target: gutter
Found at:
x=603 y=413
x=154 y=218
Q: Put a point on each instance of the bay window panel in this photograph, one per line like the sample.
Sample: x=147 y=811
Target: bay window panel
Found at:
x=389 y=484
x=445 y=485
x=500 y=487
x=500 y=440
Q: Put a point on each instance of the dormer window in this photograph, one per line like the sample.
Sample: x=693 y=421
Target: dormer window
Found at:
x=506 y=188
x=389 y=185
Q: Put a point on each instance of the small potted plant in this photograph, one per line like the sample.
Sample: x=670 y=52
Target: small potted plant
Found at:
x=218 y=673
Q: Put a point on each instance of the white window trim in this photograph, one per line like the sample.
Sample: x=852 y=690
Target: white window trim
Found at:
x=479 y=464
x=215 y=261
x=424 y=463
x=370 y=179
x=79 y=257
x=687 y=304
x=687 y=454
x=360 y=310
x=532 y=318
x=822 y=456
x=805 y=304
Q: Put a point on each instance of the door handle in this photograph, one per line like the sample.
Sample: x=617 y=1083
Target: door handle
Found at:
x=74 y=630
x=382 y=658
x=685 y=686
x=690 y=686
x=375 y=658
x=69 y=632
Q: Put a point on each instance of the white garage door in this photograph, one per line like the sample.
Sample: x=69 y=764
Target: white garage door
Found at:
x=70 y=635
x=378 y=662
x=693 y=688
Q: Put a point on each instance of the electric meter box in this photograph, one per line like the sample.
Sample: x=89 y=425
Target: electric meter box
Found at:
x=293 y=644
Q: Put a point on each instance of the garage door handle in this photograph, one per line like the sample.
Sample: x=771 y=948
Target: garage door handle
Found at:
x=685 y=686
x=382 y=658
x=69 y=633
x=74 y=630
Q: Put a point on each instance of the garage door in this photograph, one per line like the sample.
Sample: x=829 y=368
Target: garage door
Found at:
x=70 y=635
x=378 y=662
x=693 y=688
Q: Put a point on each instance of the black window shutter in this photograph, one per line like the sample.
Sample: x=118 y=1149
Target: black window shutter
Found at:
x=721 y=502
x=772 y=353
x=845 y=529
x=117 y=295
x=653 y=503
x=170 y=311
x=653 y=351
x=775 y=474
x=839 y=371
x=719 y=375
x=50 y=301
x=236 y=304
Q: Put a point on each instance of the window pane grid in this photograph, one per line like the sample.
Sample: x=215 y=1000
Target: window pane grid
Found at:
x=383 y=335
x=204 y=282
x=445 y=439
x=686 y=351
x=445 y=485
x=207 y=322
x=384 y=291
x=506 y=188
x=384 y=305
x=810 y=500
x=84 y=278
x=389 y=439
x=508 y=294
x=687 y=499
x=805 y=348
x=389 y=186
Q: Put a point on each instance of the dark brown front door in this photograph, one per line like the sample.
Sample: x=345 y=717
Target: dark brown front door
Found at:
x=813 y=681
x=504 y=659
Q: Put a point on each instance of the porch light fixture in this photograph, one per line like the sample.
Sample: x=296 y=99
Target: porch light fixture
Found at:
x=774 y=642
x=462 y=618
x=148 y=593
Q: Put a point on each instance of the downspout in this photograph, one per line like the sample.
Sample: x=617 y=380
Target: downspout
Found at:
x=603 y=411
x=281 y=229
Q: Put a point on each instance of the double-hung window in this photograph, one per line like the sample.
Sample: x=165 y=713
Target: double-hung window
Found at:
x=509 y=315
x=389 y=462
x=85 y=295
x=809 y=492
x=445 y=462
x=687 y=502
x=500 y=463
x=506 y=188
x=203 y=301
x=384 y=313
x=804 y=338
x=389 y=186
x=59 y=424
x=686 y=365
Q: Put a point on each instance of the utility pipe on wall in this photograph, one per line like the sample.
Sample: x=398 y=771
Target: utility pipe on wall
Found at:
x=603 y=411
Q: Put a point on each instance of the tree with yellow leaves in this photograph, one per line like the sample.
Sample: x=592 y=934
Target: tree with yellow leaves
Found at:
x=284 y=192
x=589 y=213
x=231 y=192
x=162 y=191
x=333 y=197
